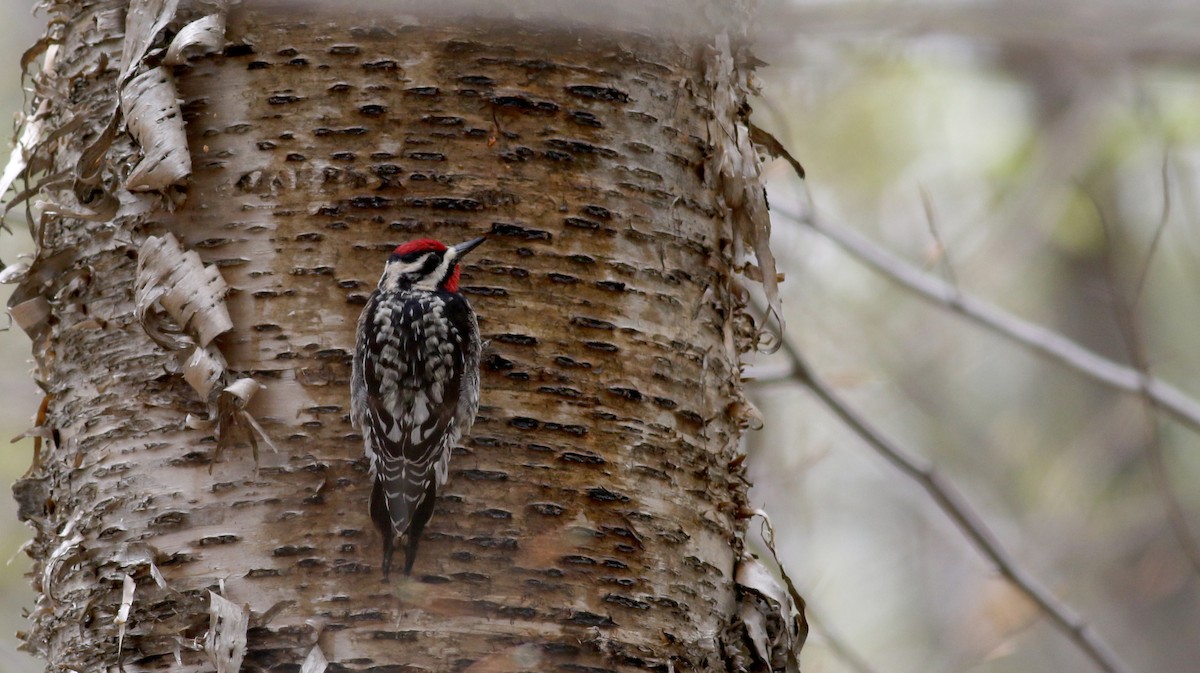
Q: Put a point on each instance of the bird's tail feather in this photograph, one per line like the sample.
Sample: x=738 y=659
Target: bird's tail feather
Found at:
x=401 y=504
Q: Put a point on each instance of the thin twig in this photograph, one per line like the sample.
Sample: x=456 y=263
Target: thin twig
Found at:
x=1158 y=231
x=757 y=375
x=963 y=515
x=840 y=649
x=943 y=254
x=1031 y=335
x=1176 y=516
x=1125 y=314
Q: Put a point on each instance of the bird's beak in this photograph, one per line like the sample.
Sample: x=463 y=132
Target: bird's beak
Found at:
x=463 y=248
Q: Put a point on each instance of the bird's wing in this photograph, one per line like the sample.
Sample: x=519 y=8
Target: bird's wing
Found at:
x=412 y=372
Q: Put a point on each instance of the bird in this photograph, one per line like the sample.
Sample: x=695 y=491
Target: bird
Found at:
x=414 y=385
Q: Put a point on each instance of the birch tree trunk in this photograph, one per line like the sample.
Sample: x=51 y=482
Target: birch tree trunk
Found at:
x=198 y=499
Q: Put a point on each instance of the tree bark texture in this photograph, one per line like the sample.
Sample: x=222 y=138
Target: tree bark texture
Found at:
x=591 y=522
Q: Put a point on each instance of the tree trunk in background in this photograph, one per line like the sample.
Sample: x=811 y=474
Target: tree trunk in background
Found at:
x=591 y=519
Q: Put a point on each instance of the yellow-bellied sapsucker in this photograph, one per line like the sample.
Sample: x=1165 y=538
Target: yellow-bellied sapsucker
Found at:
x=414 y=389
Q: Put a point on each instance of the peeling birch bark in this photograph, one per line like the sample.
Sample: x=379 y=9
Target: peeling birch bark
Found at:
x=593 y=518
x=152 y=116
x=192 y=294
x=225 y=642
x=199 y=38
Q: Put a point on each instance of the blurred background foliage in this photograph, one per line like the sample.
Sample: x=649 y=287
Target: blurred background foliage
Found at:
x=1028 y=152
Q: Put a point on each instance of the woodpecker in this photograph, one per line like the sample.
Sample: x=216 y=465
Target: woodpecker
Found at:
x=414 y=388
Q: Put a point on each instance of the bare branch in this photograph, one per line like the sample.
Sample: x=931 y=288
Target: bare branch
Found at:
x=955 y=506
x=1031 y=335
x=1126 y=315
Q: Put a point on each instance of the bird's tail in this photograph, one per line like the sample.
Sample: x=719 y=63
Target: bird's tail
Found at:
x=401 y=504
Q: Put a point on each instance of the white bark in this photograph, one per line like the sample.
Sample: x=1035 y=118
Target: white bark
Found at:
x=592 y=518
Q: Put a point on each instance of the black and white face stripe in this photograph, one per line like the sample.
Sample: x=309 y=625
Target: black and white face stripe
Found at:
x=424 y=270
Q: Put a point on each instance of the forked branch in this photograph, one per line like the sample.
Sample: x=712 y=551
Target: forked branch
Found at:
x=1031 y=335
x=968 y=521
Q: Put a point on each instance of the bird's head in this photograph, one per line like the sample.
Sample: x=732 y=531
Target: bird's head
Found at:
x=425 y=264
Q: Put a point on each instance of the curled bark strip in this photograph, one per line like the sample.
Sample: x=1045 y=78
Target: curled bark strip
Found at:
x=225 y=642
x=203 y=370
x=144 y=20
x=31 y=133
x=32 y=316
x=766 y=142
x=150 y=105
x=739 y=171
x=769 y=617
x=159 y=580
x=14 y=273
x=104 y=211
x=315 y=662
x=69 y=544
x=198 y=38
x=232 y=414
x=798 y=602
x=192 y=294
x=122 y=618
